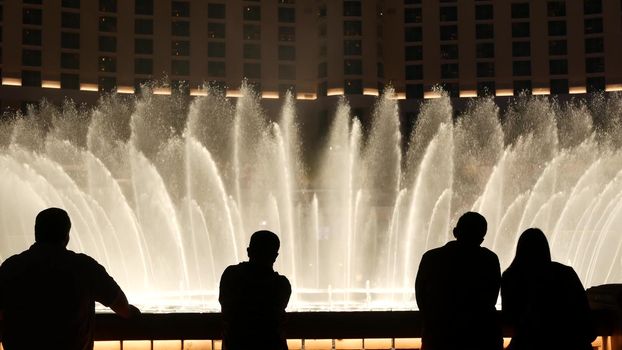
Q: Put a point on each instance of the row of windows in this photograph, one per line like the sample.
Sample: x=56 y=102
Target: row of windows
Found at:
x=519 y=68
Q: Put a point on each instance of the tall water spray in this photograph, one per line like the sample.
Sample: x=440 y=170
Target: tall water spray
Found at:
x=165 y=193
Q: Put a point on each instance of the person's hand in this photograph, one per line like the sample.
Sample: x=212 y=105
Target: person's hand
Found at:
x=134 y=311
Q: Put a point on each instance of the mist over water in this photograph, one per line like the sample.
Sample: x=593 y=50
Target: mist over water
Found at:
x=166 y=194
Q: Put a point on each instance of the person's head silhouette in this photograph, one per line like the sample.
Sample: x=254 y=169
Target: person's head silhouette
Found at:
x=532 y=249
x=52 y=227
x=263 y=248
x=471 y=228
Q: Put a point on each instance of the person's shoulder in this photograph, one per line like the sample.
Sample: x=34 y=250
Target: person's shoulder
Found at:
x=281 y=279
x=561 y=269
x=488 y=253
x=233 y=270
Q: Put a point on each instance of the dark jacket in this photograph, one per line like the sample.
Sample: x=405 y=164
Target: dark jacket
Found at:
x=457 y=288
x=547 y=308
x=253 y=300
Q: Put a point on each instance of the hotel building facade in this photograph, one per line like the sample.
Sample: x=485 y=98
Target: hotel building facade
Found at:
x=57 y=49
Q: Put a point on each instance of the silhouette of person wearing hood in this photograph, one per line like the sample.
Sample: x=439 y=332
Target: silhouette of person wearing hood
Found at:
x=544 y=301
x=253 y=298
x=457 y=287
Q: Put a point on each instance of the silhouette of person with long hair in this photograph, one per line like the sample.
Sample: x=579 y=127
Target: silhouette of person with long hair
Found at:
x=48 y=293
x=253 y=298
x=544 y=301
x=457 y=287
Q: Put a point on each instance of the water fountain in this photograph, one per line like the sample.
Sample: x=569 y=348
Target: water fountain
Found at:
x=166 y=194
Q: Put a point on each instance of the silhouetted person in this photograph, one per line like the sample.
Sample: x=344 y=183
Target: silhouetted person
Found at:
x=457 y=288
x=48 y=293
x=253 y=298
x=544 y=301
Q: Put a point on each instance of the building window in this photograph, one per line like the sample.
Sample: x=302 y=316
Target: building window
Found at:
x=216 y=11
x=217 y=30
x=484 y=31
x=74 y=4
x=252 y=13
x=143 y=46
x=180 y=48
x=216 y=49
x=558 y=47
x=287 y=53
x=31 y=16
x=352 y=67
x=557 y=28
x=143 y=7
x=107 y=84
x=179 y=67
x=449 y=14
x=251 y=51
x=594 y=45
x=520 y=10
x=287 y=33
x=449 y=33
x=486 y=88
x=485 y=50
x=216 y=69
x=485 y=69
x=180 y=9
x=69 y=60
x=143 y=66
x=352 y=8
x=483 y=12
x=559 y=86
x=70 y=20
x=31 y=37
x=31 y=58
x=412 y=15
x=108 y=5
x=593 y=84
x=414 y=91
x=143 y=26
x=180 y=28
x=252 y=70
x=593 y=26
x=287 y=14
x=287 y=72
x=107 y=43
x=107 y=24
x=595 y=65
x=556 y=8
x=521 y=68
x=414 y=72
x=352 y=28
x=107 y=64
x=520 y=30
x=558 y=67
x=449 y=71
x=353 y=87
x=252 y=32
x=449 y=52
x=413 y=53
x=31 y=78
x=591 y=7
x=322 y=70
x=413 y=34
x=352 y=47
x=69 y=81
x=521 y=49
x=70 y=40
x=522 y=87
x=452 y=89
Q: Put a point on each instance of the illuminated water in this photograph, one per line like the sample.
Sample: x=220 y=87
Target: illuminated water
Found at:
x=165 y=195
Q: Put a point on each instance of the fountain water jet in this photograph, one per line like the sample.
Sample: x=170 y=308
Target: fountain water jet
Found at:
x=166 y=194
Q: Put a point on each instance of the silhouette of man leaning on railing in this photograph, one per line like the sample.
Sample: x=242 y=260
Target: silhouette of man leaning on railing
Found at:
x=457 y=287
x=48 y=293
x=253 y=298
